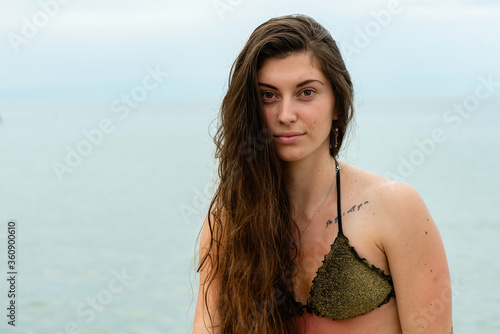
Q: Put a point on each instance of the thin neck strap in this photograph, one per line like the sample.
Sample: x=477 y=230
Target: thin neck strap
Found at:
x=339 y=211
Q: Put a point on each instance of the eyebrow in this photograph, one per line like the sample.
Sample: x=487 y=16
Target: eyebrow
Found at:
x=303 y=83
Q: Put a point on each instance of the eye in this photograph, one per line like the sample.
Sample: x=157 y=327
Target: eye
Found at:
x=307 y=92
x=267 y=96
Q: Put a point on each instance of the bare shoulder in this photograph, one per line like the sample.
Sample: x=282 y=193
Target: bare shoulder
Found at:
x=408 y=236
x=206 y=311
x=392 y=198
x=397 y=209
x=209 y=238
x=360 y=178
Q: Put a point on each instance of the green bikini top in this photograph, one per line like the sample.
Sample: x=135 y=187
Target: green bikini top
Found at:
x=346 y=285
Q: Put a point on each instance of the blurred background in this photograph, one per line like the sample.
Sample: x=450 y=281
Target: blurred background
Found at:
x=106 y=159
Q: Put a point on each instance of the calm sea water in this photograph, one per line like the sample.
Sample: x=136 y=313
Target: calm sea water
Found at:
x=107 y=247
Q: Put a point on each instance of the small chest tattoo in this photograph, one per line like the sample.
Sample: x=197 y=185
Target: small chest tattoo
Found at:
x=354 y=208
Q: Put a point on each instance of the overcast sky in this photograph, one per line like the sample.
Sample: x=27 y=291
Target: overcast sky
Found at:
x=93 y=50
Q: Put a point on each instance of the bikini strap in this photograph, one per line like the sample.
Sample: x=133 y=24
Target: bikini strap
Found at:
x=339 y=211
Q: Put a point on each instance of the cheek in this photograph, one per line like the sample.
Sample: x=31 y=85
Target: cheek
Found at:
x=268 y=116
x=322 y=123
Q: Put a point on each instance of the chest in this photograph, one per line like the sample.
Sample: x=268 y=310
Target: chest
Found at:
x=359 y=227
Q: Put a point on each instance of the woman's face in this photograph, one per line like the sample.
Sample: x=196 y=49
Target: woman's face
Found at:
x=298 y=106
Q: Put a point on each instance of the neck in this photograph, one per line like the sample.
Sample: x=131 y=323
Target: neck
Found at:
x=308 y=183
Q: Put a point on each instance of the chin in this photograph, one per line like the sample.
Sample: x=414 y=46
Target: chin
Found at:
x=290 y=156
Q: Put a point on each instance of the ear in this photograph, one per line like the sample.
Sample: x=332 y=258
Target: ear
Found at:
x=335 y=115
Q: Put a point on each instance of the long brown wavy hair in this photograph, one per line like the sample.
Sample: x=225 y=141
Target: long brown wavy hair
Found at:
x=250 y=216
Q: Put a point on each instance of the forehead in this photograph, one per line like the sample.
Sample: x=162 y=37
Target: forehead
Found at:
x=294 y=67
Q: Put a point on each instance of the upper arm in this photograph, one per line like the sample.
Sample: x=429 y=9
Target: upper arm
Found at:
x=417 y=262
x=202 y=321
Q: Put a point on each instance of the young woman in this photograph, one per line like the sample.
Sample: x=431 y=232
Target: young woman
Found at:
x=296 y=241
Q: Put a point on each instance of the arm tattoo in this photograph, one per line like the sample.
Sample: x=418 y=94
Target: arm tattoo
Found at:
x=451 y=330
x=354 y=208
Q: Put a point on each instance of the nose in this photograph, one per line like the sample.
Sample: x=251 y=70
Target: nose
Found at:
x=286 y=112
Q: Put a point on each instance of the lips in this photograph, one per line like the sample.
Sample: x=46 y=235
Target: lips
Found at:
x=288 y=137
